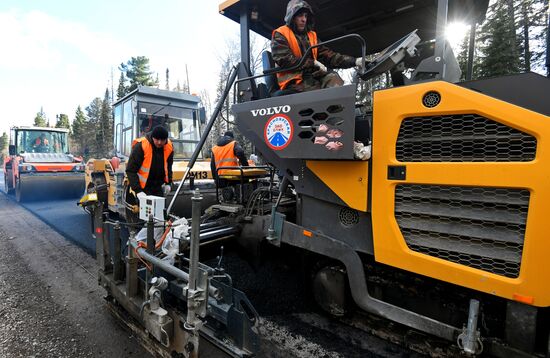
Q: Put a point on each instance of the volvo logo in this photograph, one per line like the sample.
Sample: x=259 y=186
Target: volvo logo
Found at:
x=270 y=111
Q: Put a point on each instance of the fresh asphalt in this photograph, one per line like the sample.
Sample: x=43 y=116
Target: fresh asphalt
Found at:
x=64 y=216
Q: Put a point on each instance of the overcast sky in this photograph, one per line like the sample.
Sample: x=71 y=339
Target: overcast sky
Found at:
x=59 y=54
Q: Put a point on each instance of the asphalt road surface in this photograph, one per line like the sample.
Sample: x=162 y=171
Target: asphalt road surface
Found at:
x=64 y=216
x=52 y=252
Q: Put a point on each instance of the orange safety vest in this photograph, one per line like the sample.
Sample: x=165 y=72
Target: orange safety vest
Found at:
x=38 y=141
x=225 y=156
x=143 y=172
x=284 y=78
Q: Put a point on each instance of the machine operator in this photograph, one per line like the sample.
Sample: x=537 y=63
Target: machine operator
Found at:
x=289 y=43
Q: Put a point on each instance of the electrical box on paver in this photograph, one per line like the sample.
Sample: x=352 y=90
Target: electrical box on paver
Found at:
x=151 y=205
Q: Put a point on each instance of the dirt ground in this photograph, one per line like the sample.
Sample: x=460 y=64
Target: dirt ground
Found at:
x=50 y=302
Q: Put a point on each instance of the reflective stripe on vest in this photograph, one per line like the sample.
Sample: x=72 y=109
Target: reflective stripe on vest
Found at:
x=284 y=78
x=224 y=156
x=143 y=172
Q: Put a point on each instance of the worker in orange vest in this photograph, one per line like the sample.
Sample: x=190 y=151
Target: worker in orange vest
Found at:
x=226 y=153
x=149 y=168
x=290 y=42
x=41 y=143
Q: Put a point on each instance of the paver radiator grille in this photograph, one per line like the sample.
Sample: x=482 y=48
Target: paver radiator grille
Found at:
x=462 y=138
x=478 y=227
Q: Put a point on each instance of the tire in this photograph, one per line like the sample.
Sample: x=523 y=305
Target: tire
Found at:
x=7 y=186
x=18 y=191
x=329 y=287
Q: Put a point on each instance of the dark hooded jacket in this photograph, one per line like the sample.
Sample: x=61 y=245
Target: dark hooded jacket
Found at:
x=156 y=173
x=283 y=56
x=237 y=150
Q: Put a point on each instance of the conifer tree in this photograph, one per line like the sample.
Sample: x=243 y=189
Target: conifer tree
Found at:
x=62 y=121
x=40 y=118
x=500 y=55
x=79 y=133
x=122 y=90
x=3 y=144
x=93 y=112
x=105 y=127
x=167 y=86
x=138 y=73
x=532 y=25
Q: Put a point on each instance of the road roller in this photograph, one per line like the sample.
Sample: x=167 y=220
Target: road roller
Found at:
x=40 y=165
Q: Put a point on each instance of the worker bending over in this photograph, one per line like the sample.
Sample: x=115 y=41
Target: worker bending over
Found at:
x=149 y=168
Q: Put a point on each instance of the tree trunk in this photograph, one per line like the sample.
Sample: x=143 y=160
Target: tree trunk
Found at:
x=511 y=14
x=526 y=49
x=512 y=26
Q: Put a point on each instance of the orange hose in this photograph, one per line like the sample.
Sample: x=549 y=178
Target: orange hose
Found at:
x=142 y=244
x=159 y=244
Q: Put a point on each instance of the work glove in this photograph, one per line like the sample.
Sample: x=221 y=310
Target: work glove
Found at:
x=320 y=66
x=359 y=62
x=321 y=70
x=166 y=189
x=141 y=194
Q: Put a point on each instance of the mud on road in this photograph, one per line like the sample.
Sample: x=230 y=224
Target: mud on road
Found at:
x=50 y=302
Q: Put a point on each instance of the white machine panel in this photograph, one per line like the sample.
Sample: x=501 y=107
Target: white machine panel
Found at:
x=151 y=204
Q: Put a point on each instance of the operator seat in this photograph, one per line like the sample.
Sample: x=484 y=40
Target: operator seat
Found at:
x=271 y=82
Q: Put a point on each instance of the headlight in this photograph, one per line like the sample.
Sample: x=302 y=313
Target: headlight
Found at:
x=25 y=168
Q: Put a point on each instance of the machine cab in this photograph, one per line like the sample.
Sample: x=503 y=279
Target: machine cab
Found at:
x=140 y=111
x=39 y=140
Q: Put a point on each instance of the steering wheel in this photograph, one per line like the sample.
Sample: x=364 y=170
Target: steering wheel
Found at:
x=392 y=55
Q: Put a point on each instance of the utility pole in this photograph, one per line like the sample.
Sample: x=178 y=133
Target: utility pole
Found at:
x=187 y=74
x=112 y=85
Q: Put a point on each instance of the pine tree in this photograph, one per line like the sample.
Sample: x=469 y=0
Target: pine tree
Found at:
x=93 y=112
x=122 y=90
x=79 y=132
x=532 y=24
x=138 y=73
x=105 y=124
x=62 y=121
x=40 y=119
x=462 y=56
x=167 y=86
x=3 y=144
x=500 y=54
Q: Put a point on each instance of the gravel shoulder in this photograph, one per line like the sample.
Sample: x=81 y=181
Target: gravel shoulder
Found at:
x=50 y=302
